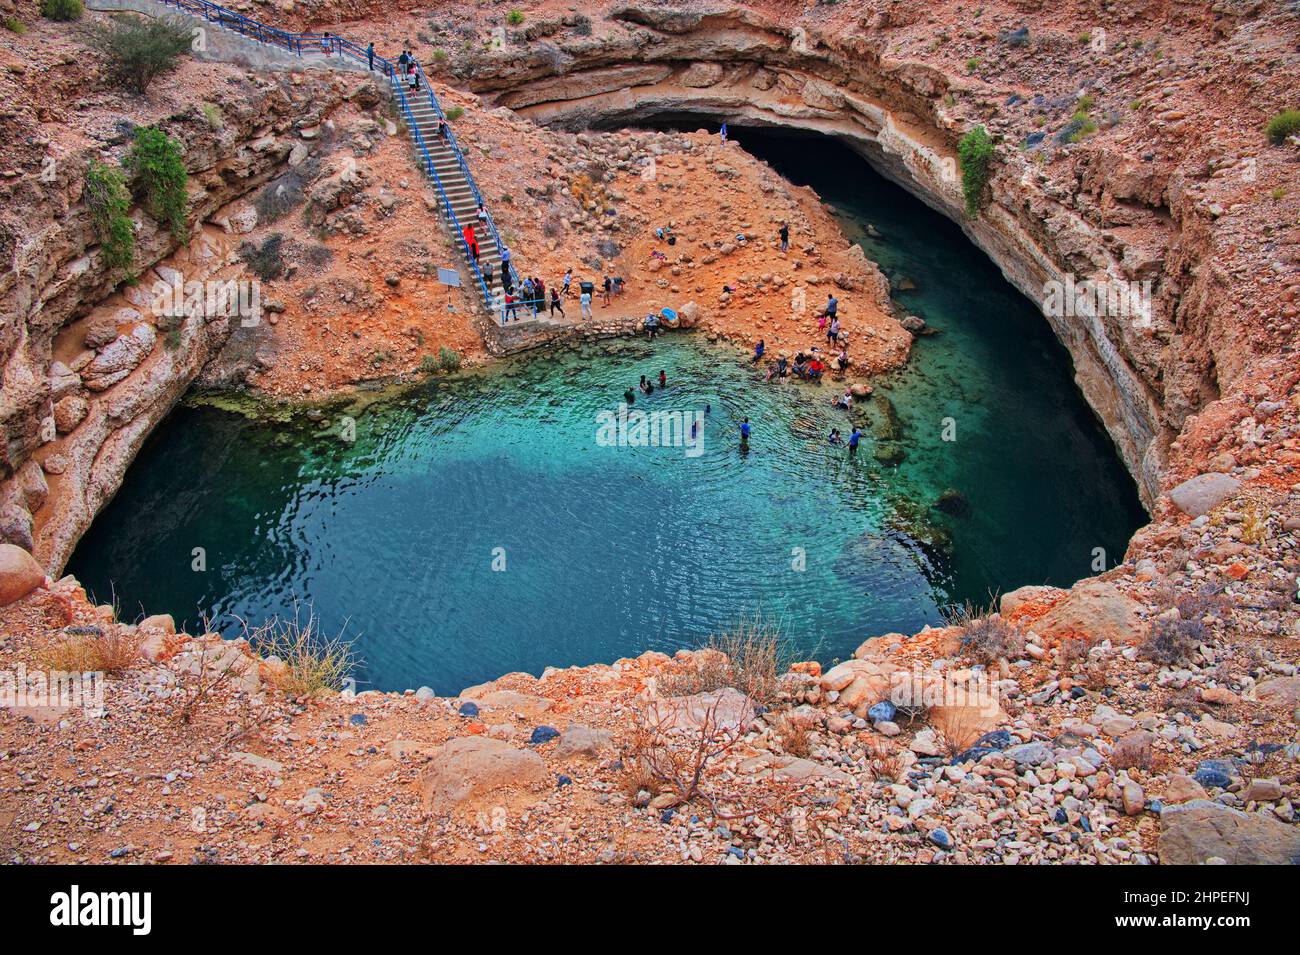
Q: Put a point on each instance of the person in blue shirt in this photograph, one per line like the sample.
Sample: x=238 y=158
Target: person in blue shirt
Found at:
x=723 y=132
x=758 y=352
x=744 y=432
x=854 y=438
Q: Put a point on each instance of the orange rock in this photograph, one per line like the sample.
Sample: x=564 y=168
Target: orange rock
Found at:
x=1238 y=570
x=811 y=667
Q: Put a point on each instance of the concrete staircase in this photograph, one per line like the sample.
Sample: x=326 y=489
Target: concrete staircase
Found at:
x=461 y=200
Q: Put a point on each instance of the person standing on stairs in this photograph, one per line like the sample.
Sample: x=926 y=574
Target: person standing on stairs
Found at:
x=370 y=57
x=487 y=275
x=471 y=241
x=482 y=216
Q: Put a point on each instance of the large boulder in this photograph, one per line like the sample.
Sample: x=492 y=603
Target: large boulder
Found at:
x=727 y=710
x=474 y=766
x=1203 y=493
x=70 y=411
x=1199 y=830
x=120 y=357
x=1282 y=689
x=580 y=741
x=19 y=574
x=1013 y=600
x=1096 y=609
x=699 y=75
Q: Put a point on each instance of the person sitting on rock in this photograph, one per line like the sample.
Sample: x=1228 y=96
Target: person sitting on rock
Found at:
x=758 y=352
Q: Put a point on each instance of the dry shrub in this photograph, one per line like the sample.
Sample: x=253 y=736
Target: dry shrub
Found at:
x=111 y=649
x=636 y=777
x=1173 y=640
x=987 y=638
x=956 y=728
x=1072 y=650
x=887 y=767
x=749 y=657
x=312 y=661
x=794 y=735
x=197 y=684
x=676 y=758
x=1254 y=524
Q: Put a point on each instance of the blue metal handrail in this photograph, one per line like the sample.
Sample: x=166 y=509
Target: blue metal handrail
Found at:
x=464 y=168
x=446 y=203
x=330 y=44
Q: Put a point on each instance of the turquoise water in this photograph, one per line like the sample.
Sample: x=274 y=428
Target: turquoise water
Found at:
x=476 y=525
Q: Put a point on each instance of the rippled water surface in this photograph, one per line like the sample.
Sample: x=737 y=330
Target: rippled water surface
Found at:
x=609 y=551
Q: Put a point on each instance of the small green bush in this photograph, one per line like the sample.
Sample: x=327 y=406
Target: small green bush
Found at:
x=515 y=17
x=278 y=197
x=1284 y=124
x=64 y=10
x=110 y=204
x=975 y=155
x=212 y=113
x=267 y=260
x=14 y=25
x=455 y=112
x=137 y=51
x=448 y=359
x=159 y=172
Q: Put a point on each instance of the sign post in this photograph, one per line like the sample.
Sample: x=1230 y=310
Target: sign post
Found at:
x=451 y=279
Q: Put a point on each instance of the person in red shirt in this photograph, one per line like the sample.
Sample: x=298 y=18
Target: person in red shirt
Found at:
x=471 y=240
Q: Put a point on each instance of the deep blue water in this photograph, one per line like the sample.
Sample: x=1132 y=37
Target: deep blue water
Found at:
x=608 y=551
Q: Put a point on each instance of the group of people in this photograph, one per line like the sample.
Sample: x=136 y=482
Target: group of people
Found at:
x=810 y=365
x=406 y=66
x=646 y=386
x=835 y=439
x=533 y=292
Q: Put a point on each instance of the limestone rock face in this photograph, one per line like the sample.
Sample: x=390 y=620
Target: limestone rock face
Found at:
x=1199 y=830
x=1203 y=493
x=474 y=766
x=19 y=574
x=1095 y=608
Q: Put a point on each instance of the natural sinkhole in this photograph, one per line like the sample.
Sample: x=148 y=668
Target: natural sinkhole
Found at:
x=476 y=525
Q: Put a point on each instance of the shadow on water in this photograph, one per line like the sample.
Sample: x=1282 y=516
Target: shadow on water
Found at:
x=476 y=526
